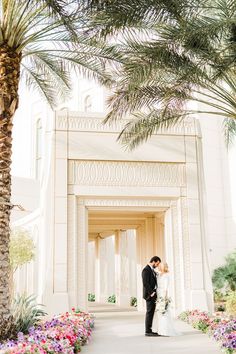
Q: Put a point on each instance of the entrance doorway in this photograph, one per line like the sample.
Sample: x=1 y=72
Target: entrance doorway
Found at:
x=120 y=243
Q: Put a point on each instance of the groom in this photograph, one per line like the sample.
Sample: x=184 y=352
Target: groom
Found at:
x=150 y=285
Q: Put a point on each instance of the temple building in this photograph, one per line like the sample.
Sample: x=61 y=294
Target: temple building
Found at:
x=103 y=211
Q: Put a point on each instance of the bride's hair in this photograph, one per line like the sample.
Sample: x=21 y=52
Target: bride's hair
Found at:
x=165 y=268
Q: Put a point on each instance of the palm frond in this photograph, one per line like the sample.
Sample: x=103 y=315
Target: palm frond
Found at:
x=229 y=128
x=24 y=21
x=119 y=16
x=51 y=38
x=184 y=60
x=50 y=66
x=144 y=125
x=41 y=83
x=65 y=11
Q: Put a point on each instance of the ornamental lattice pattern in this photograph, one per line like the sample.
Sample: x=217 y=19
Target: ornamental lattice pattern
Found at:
x=71 y=121
x=117 y=173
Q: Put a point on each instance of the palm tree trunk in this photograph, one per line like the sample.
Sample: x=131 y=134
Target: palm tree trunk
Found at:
x=9 y=80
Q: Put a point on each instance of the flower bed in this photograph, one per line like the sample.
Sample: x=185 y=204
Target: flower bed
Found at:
x=221 y=329
x=65 y=334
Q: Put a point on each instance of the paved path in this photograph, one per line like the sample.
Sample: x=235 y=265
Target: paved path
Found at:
x=95 y=308
x=122 y=333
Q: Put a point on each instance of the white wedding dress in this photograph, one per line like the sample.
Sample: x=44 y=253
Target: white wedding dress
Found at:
x=164 y=322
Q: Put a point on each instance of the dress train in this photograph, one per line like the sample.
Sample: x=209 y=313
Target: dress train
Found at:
x=164 y=322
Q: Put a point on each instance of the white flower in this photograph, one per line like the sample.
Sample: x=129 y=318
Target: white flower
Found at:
x=162 y=304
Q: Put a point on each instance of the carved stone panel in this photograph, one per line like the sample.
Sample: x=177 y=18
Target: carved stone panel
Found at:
x=117 y=173
x=75 y=121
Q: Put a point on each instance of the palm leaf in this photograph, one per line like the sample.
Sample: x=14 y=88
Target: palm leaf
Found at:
x=186 y=58
x=229 y=126
x=144 y=125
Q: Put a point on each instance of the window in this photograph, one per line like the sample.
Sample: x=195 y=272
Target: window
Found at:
x=87 y=104
x=38 y=147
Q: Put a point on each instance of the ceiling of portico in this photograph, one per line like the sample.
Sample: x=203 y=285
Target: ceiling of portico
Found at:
x=105 y=223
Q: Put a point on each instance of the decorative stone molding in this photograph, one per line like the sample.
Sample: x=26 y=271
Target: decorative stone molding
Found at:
x=121 y=202
x=72 y=121
x=115 y=173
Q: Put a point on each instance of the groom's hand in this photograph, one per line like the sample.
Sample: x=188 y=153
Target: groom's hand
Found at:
x=153 y=294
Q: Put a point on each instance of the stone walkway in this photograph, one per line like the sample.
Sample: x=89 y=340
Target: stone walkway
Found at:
x=122 y=333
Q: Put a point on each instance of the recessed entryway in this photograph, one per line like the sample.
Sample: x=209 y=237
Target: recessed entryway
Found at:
x=120 y=243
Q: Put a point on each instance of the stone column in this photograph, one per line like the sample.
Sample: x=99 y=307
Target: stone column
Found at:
x=121 y=269
x=72 y=250
x=169 y=253
x=111 y=265
x=150 y=247
x=57 y=291
x=117 y=266
x=103 y=270
x=92 y=266
x=174 y=254
x=82 y=258
x=97 y=270
x=132 y=259
x=198 y=284
x=159 y=247
x=140 y=265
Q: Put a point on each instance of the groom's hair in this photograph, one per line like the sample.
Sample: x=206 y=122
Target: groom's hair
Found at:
x=155 y=259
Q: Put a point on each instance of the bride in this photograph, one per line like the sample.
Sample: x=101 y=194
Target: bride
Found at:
x=164 y=321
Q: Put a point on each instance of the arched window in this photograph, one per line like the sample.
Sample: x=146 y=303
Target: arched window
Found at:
x=87 y=104
x=38 y=147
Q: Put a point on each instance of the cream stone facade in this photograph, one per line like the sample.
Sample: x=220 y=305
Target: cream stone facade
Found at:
x=105 y=211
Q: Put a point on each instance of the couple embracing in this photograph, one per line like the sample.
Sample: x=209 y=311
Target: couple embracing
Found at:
x=156 y=281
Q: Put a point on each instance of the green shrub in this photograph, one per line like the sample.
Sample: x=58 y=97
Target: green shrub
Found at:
x=218 y=296
x=183 y=316
x=224 y=278
x=229 y=351
x=133 y=301
x=219 y=307
x=91 y=297
x=26 y=312
x=201 y=325
x=231 y=303
x=77 y=346
x=112 y=299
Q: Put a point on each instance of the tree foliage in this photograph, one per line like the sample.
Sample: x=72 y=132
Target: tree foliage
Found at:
x=231 y=303
x=178 y=52
x=224 y=277
x=50 y=37
x=22 y=248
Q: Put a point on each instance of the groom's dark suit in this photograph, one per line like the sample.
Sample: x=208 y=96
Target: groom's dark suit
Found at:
x=149 y=287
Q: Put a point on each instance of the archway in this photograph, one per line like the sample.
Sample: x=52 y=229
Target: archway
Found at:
x=175 y=243
x=120 y=242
